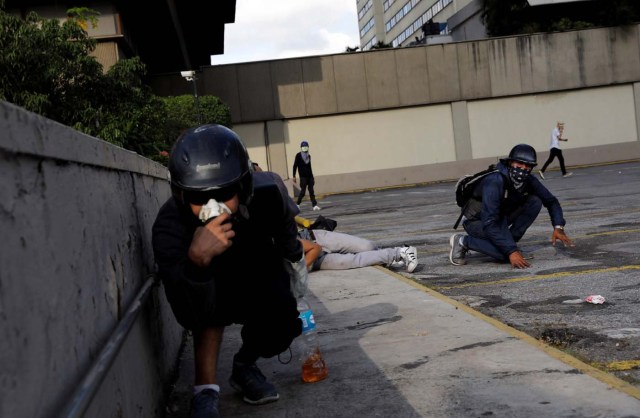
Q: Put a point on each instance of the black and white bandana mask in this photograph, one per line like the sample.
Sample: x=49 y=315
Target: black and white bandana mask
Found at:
x=518 y=176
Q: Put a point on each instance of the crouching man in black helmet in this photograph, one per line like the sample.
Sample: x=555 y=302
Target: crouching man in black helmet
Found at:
x=503 y=207
x=222 y=214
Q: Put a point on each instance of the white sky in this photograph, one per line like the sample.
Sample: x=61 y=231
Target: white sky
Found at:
x=266 y=30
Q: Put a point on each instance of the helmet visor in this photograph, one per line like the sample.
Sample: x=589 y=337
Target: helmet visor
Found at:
x=202 y=197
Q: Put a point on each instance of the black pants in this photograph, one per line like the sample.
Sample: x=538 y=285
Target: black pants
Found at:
x=304 y=183
x=555 y=152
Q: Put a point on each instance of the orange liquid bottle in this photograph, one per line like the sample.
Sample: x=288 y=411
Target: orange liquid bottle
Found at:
x=314 y=368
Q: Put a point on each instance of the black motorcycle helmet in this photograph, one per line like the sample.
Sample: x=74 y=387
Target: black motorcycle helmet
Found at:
x=210 y=162
x=523 y=153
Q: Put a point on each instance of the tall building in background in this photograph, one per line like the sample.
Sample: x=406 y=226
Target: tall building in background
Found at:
x=411 y=22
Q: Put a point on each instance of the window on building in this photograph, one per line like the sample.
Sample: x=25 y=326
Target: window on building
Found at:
x=416 y=25
x=368 y=5
x=366 y=28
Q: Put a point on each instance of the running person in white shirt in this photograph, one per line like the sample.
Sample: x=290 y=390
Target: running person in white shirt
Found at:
x=555 y=151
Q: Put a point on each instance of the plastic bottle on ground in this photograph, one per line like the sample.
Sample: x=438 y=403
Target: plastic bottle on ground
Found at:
x=314 y=367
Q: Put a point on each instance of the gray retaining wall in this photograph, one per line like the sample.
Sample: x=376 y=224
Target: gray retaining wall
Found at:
x=76 y=216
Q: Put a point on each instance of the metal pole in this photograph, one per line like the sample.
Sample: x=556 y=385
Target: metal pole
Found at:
x=195 y=95
x=85 y=392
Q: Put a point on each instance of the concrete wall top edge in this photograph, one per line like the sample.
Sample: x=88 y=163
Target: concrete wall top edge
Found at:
x=463 y=70
x=31 y=137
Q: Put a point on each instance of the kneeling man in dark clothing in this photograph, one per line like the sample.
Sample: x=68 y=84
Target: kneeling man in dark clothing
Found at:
x=504 y=205
x=222 y=243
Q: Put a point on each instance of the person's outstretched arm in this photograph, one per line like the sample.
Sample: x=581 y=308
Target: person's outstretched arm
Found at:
x=311 y=252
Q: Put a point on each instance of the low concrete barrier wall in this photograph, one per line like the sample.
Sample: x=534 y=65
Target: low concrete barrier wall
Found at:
x=76 y=216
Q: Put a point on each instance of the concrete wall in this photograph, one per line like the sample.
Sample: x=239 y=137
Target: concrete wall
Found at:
x=76 y=216
x=440 y=142
x=466 y=23
x=406 y=115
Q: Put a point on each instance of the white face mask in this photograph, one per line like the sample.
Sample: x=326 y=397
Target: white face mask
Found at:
x=304 y=149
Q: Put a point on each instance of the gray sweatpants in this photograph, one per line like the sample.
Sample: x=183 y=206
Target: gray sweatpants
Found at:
x=346 y=251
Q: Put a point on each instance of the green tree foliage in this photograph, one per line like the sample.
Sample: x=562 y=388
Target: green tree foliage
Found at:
x=124 y=111
x=183 y=113
x=82 y=15
x=504 y=17
x=46 y=68
x=512 y=17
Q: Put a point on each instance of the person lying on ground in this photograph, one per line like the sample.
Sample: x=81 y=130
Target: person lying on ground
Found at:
x=330 y=250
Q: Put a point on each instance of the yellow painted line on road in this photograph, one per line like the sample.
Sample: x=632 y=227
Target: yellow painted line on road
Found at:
x=620 y=366
x=605 y=377
x=541 y=277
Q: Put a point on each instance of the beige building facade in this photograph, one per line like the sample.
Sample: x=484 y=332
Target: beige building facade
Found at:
x=403 y=116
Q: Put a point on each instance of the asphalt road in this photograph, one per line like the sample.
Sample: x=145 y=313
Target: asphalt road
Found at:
x=601 y=206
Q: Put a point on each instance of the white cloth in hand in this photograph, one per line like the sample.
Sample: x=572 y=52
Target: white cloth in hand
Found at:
x=212 y=209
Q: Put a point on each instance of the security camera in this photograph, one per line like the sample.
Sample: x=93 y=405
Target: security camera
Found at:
x=187 y=74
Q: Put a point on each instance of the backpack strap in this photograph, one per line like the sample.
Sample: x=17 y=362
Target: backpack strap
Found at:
x=460 y=217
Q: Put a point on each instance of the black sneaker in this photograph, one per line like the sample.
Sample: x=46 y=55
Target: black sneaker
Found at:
x=205 y=404
x=248 y=379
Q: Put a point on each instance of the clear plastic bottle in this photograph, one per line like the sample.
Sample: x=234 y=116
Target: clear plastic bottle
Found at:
x=314 y=367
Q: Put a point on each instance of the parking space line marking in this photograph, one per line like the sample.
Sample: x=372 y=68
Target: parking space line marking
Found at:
x=541 y=277
x=620 y=366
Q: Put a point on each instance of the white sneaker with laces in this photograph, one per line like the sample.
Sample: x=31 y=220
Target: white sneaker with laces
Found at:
x=410 y=257
x=316 y=207
x=569 y=174
x=541 y=174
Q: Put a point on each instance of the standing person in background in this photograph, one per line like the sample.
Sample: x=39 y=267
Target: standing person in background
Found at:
x=302 y=163
x=556 y=137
